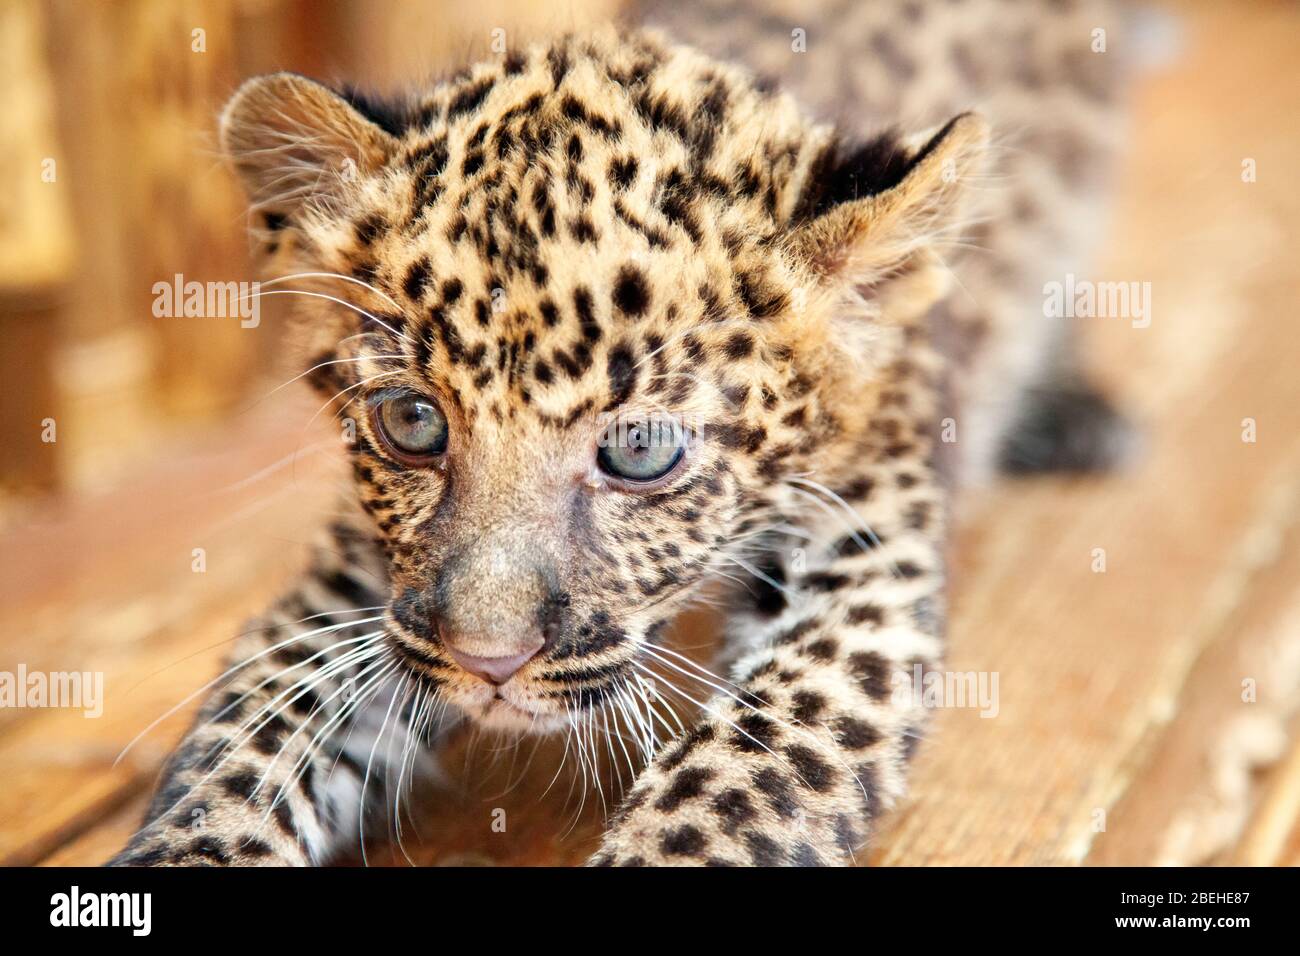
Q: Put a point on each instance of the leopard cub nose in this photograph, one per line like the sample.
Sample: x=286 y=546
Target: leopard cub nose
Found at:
x=492 y=659
x=494 y=670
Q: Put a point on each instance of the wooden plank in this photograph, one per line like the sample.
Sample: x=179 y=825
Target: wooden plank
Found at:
x=1192 y=787
x=98 y=843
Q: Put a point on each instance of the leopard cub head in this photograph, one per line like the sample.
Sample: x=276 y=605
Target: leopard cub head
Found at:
x=589 y=306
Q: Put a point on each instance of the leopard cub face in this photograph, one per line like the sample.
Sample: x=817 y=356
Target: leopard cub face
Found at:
x=588 y=307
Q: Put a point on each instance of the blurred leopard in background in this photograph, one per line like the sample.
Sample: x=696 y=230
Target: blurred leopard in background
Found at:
x=617 y=321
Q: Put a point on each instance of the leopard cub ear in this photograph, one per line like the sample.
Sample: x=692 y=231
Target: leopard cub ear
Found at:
x=294 y=142
x=878 y=211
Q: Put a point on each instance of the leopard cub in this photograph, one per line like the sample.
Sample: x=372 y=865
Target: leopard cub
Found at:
x=616 y=322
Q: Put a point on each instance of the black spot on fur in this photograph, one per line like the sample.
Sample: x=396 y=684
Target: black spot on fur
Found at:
x=812 y=770
x=860 y=490
x=826 y=581
x=622 y=375
x=702 y=733
x=805 y=855
x=684 y=841
x=755 y=733
x=823 y=650
x=240 y=784
x=583 y=229
x=872 y=673
x=908 y=570
x=582 y=304
x=631 y=295
x=855 y=734
x=470 y=98
x=254 y=848
x=367 y=228
x=808 y=705
x=867 y=614
x=622 y=171
x=795 y=632
x=761 y=300
x=763 y=849
x=550 y=314
x=767 y=597
x=795 y=418
x=284 y=820
x=515 y=63
x=776 y=788
x=663 y=114
x=417 y=277
x=558 y=60
x=734 y=807
x=267 y=738
x=739 y=345
x=687 y=783
x=228 y=708
x=348 y=588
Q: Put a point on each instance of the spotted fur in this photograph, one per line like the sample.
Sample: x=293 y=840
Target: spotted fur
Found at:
x=611 y=225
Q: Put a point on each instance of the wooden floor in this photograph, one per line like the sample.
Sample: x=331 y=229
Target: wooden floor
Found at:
x=1147 y=712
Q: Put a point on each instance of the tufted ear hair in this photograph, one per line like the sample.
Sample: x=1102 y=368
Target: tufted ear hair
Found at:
x=875 y=213
x=293 y=141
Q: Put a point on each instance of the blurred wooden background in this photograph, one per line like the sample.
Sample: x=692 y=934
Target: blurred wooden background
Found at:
x=112 y=183
x=1123 y=736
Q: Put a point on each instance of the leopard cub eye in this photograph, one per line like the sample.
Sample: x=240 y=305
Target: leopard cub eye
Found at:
x=642 y=450
x=412 y=426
